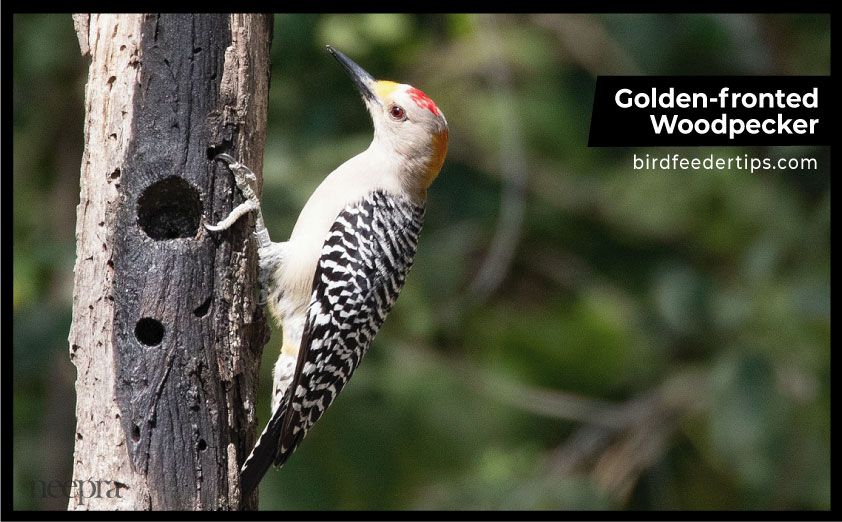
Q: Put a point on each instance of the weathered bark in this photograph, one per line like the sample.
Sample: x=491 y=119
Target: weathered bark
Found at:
x=166 y=334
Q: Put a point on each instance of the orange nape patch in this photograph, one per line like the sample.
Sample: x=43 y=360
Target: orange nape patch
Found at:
x=384 y=88
x=437 y=159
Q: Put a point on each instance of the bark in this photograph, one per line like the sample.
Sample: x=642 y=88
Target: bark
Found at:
x=166 y=335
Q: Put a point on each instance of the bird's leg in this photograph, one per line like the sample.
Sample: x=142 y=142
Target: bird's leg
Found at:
x=247 y=183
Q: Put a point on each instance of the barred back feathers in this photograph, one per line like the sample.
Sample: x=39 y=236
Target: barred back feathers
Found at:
x=363 y=266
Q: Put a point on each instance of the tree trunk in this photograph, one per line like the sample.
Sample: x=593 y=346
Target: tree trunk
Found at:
x=166 y=335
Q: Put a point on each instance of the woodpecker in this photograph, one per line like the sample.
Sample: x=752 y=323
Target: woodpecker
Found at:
x=332 y=284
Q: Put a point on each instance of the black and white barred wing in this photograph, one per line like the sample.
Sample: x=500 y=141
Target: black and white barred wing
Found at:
x=363 y=265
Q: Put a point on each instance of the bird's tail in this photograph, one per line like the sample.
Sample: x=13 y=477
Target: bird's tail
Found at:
x=261 y=457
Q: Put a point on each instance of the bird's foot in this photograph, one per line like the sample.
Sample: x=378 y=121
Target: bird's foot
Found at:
x=246 y=181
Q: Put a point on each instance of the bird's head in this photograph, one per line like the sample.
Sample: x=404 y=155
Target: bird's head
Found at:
x=406 y=122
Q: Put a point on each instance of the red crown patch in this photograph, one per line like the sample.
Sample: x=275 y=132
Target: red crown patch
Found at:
x=422 y=100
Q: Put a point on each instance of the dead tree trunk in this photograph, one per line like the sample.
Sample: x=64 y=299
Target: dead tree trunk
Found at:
x=166 y=334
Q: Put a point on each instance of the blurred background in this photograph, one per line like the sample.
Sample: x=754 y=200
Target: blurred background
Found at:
x=575 y=334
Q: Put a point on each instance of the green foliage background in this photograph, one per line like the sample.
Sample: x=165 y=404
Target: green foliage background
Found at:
x=575 y=334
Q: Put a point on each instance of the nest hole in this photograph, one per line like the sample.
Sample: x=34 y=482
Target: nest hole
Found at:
x=149 y=331
x=169 y=209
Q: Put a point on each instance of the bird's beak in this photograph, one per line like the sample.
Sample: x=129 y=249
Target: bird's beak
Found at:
x=365 y=82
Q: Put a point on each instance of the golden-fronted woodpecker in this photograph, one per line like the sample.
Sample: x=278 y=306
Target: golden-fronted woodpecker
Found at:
x=332 y=284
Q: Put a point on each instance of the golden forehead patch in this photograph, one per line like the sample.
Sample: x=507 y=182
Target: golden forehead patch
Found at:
x=384 y=88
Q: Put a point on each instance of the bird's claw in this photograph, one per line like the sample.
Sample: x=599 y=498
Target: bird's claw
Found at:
x=246 y=181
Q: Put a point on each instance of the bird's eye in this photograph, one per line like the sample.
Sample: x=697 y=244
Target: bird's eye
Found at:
x=397 y=112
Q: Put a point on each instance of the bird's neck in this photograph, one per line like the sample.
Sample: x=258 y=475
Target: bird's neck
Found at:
x=415 y=163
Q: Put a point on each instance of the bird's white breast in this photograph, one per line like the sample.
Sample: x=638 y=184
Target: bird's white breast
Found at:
x=349 y=183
